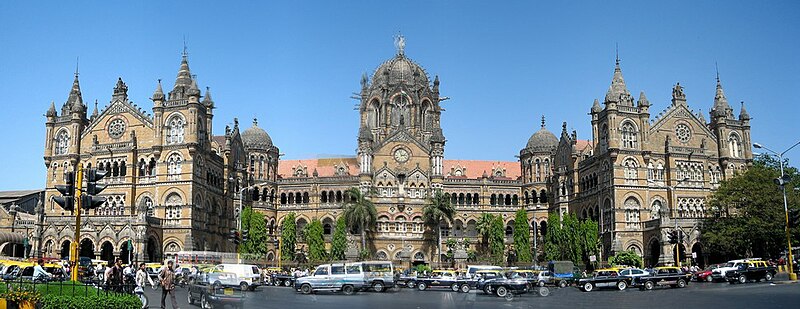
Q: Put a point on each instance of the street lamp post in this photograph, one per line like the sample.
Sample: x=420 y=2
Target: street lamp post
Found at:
x=13 y=213
x=781 y=182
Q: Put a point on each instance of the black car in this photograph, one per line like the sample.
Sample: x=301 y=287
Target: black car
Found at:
x=663 y=276
x=439 y=279
x=479 y=280
x=283 y=280
x=751 y=271
x=407 y=281
x=509 y=286
x=604 y=278
x=209 y=295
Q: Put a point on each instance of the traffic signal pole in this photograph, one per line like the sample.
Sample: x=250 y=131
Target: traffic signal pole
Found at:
x=74 y=247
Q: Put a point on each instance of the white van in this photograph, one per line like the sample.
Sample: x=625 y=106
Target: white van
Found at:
x=249 y=275
x=379 y=274
x=471 y=269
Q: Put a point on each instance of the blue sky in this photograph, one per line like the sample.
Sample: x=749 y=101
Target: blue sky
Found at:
x=294 y=64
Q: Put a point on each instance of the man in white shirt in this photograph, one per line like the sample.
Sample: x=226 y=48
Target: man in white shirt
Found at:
x=39 y=273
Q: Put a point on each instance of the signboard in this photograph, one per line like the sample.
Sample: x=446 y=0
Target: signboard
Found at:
x=592 y=258
x=694 y=255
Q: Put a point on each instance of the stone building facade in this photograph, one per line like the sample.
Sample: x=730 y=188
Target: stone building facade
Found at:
x=175 y=187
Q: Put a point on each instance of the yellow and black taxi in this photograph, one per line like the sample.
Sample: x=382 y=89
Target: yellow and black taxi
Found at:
x=663 y=276
x=479 y=279
x=604 y=278
x=439 y=279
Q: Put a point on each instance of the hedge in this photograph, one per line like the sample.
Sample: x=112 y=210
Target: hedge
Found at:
x=120 y=301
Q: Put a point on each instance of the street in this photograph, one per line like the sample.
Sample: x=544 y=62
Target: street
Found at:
x=696 y=295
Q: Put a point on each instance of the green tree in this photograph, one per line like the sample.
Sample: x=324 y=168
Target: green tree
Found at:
x=339 y=241
x=315 y=241
x=256 y=225
x=435 y=212
x=360 y=213
x=497 y=240
x=626 y=258
x=522 y=234
x=288 y=236
x=483 y=227
x=746 y=215
x=570 y=239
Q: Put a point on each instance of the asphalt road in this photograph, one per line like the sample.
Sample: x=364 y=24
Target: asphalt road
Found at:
x=696 y=295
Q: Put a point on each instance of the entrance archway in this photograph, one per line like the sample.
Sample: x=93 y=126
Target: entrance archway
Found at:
x=107 y=251
x=152 y=250
x=87 y=248
x=697 y=254
x=655 y=253
x=65 y=246
x=124 y=253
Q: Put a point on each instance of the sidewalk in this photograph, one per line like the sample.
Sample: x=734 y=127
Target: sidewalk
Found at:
x=783 y=278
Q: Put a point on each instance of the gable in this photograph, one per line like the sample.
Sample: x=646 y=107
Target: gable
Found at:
x=402 y=136
x=674 y=122
x=134 y=117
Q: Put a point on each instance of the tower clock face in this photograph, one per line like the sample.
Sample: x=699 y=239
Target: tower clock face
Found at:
x=401 y=155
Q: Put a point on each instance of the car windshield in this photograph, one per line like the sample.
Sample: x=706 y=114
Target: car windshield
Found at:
x=730 y=264
x=368 y=267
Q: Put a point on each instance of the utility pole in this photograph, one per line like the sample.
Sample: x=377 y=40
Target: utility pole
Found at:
x=73 y=258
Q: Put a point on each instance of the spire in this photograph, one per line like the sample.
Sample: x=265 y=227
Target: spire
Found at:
x=596 y=107
x=51 y=112
x=643 y=100
x=159 y=93
x=743 y=115
x=193 y=89
x=207 y=101
x=183 y=81
x=721 y=107
x=75 y=99
x=95 y=112
x=618 y=91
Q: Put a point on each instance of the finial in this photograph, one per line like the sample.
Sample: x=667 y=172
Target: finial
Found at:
x=616 y=47
x=255 y=122
x=77 y=63
x=716 y=67
x=542 y=121
x=400 y=44
x=185 y=52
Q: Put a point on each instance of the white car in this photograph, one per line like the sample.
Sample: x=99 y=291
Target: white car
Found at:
x=249 y=275
x=719 y=273
x=633 y=272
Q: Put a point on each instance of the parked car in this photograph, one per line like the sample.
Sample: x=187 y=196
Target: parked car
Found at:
x=283 y=280
x=379 y=274
x=563 y=273
x=347 y=278
x=510 y=285
x=472 y=269
x=249 y=275
x=407 y=280
x=719 y=273
x=751 y=270
x=633 y=272
x=705 y=274
x=663 y=276
x=478 y=280
x=604 y=278
x=211 y=294
x=439 y=279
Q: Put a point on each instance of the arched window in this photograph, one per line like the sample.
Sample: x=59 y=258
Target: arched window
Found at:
x=62 y=142
x=175 y=129
x=630 y=170
x=152 y=167
x=628 y=135
x=542 y=196
x=493 y=199
x=735 y=145
x=173 y=206
x=174 y=166
x=655 y=209
x=150 y=210
x=632 y=212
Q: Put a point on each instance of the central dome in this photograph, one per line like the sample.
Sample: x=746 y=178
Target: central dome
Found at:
x=543 y=140
x=256 y=138
x=400 y=69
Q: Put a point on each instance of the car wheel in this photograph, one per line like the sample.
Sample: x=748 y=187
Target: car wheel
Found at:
x=243 y=286
x=501 y=291
x=742 y=279
x=588 y=287
x=205 y=304
x=648 y=285
x=454 y=287
x=464 y=288
x=348 y=290
x=305 y=288
x=278 y=283
x=378 y=286
x=189 y=298
x=544 y=291
x=622 y=285
x=681 y=283
x=287 y=283
x=709 y=279
x=487 y=289
x=768 y=276
x=410 y=284
x=562 y=284
x=422 y=286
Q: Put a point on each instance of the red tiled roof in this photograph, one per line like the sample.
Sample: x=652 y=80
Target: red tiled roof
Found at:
x=324 y=166
x=470 y=168
x=583 y=146
x=474 y=168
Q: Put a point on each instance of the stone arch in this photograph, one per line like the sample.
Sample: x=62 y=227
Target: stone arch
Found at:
x=653 y=252
x=86 y=248
x=107 y=250
x=64 y=249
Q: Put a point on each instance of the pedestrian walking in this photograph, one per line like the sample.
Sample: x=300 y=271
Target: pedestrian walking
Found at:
x=142 y=278
x=167 y=279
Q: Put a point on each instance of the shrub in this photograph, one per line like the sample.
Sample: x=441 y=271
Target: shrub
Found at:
x=120 y=301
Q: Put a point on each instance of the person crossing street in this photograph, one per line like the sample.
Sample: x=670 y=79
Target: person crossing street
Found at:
x=167 y=279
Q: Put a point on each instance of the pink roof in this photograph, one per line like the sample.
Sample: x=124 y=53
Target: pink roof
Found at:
x=469 y=168
x=474 y=168
x=325 y=167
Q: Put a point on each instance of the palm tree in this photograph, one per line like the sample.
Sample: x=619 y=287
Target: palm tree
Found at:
x=437 y=210
x=359 y=212
x=484 y=225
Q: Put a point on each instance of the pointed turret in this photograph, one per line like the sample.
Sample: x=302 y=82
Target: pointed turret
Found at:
x=436 y=84
x=596 y=107
x=183 y=82
x=75 y=99
x=207 y=100
x=95 y=112
x=158 y=95
x=618 y=91
x=193 y=89
x=743 y=115
x=643 y=102
x=51 y=112
x=721 y=107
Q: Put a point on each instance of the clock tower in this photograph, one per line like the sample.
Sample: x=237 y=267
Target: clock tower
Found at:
x=400 y=140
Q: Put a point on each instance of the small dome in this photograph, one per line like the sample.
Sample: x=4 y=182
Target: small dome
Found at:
x=256 y=138
x=400 y=69
x=542 y=140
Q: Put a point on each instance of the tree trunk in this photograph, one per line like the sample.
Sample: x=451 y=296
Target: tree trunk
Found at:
x=439 y=244
x=363 y=241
